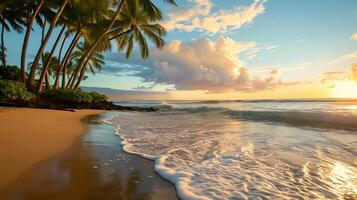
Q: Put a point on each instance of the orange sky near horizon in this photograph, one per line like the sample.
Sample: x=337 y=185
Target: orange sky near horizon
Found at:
x=291 y=92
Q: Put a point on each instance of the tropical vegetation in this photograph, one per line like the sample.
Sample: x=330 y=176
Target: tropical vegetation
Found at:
x=81 y=31
x=14 y=91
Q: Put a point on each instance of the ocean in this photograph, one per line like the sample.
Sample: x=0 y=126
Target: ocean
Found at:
x=257 y=149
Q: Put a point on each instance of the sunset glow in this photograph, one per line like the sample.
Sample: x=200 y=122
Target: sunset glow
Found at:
x=344 y=89
x=230 y=49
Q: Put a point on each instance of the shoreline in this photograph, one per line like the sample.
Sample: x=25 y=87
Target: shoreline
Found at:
x=29 y=136
x=96 y=166
x=160 y=172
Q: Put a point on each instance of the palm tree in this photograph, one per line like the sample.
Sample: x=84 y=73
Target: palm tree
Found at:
x=135 y=24
x=103 y=46
x=31 y=9
x=67 y=71
x=10 y=17
x=90 y=23
x=53 y=24
x=47 y=62
x=95 y=62
x=137 y=27
x=147 y=7
x=51 y=70
x=81 y=18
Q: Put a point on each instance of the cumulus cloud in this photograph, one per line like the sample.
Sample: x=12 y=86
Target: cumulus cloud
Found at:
x=214 y=66
x=354 y=36
x=201 y=17
x=350 y=74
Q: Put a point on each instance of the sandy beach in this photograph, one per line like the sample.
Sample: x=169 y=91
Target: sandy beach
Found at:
x=29 y=136
x=93 y=167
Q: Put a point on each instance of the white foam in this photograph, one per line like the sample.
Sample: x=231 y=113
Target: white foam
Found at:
x=213 y=157
x=177 y=178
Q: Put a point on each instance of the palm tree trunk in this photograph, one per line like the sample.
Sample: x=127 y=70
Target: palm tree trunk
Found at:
x=48 y=84
x=67 y=56
x=95 y=44
x=26 y=40
x=48 y=62
x=83 y=72
x=32 y=75
x=42 y=37
x=74 y=75
x=64 y=76
x=61 y=48
x=60 y=55
x=3 y=58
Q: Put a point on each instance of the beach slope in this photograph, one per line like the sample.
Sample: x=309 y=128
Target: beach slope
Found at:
x=28 y=136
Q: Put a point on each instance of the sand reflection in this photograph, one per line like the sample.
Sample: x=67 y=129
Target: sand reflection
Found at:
x=95 y=168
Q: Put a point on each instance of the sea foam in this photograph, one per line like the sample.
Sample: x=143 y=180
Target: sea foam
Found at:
x=208 y=156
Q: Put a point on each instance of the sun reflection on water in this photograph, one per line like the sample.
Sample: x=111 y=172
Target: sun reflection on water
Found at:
x=344 y=179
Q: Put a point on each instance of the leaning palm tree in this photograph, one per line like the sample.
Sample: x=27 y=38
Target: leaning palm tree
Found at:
x=31 y=11
x=48 y=61
x=95 y=62
x=31 y=79
x=147 y=7
x=136 y=25
x=104 y=45
x=10 y=17
x=50 y=72
x=81 y=18
x=67 y=71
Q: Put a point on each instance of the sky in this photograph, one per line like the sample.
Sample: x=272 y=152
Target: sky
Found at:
x=239 y=49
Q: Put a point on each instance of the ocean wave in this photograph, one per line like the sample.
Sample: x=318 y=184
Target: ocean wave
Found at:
x=211 y=158
x=202 y=109
x=321 y=119
x=300 y=118
x=316 y=119
x=165 y=106
x=331 y=100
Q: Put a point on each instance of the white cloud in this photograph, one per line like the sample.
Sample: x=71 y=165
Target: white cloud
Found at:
x=271 y=46
x=350 y=74
x=354 y=36
x=285 y=68
x=214 y=66
x=201 y=17
x=348 y=56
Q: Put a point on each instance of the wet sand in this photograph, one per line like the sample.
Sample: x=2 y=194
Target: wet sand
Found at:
x=28 y=136
x=94 y=167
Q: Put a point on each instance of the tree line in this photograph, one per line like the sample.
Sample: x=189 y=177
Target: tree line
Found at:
x=86 y=29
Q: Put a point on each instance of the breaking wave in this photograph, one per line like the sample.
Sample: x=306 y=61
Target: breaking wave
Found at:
x=208 y=156
x=301 y=118
x=315 y=119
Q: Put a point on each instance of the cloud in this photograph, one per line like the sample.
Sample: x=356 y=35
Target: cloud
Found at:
x=201 y=17
x=285 y=68
x=213 y=66
x=348 y=56
x=350 y=74
x=271 y=46
x=354 y=36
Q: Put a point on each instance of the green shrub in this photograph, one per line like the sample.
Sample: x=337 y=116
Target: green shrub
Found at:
x=98 y=97
x=72 y=96
x=13 y=90
x=10 y=73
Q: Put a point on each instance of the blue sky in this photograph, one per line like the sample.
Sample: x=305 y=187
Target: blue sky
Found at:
x=276 y=44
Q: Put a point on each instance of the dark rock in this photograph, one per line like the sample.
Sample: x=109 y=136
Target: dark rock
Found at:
x=70 y=106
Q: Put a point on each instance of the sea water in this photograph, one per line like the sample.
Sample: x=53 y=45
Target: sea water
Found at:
x=261 y=149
